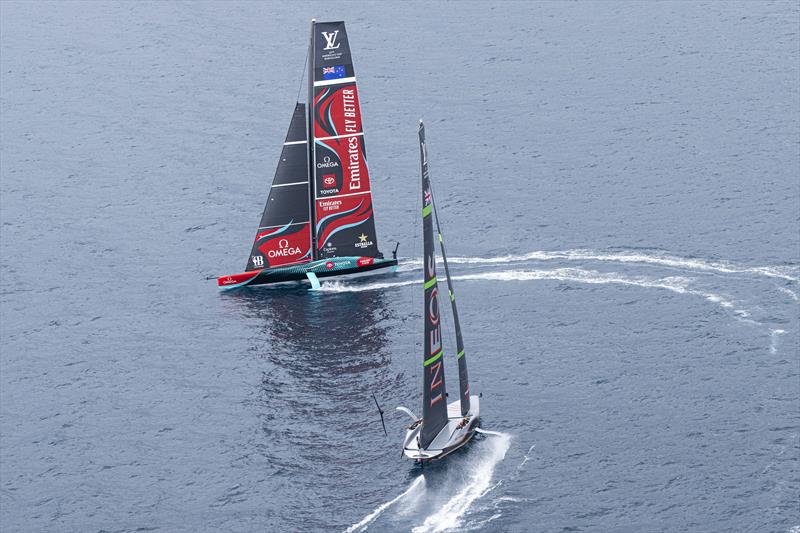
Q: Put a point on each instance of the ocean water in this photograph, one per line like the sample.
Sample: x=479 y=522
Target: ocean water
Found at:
x=619 y=185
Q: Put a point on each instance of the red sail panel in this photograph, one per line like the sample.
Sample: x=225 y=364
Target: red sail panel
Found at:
x=283 y=246
x=336 y=110
x=345 y=224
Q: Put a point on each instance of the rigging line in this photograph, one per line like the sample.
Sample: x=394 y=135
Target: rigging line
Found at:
x=302 y=76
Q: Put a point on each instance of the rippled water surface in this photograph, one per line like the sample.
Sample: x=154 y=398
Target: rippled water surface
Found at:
x=619 y=189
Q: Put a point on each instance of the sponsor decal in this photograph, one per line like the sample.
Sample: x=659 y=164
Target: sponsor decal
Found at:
x=333 y=73
x=349 y=110
x=348 y=154
x=364 y=261
x=427 y=196
x=329 y=181
x=284 y=250
x=234 y=279
x=328 y=250
x=354 y=155
x=278 y=247
x=330 y=40
x=436 y=345
x=330 y=52
x=327 y=162
x=329 y=265
x=436 y=381
x=328 y=205
x=363 y=241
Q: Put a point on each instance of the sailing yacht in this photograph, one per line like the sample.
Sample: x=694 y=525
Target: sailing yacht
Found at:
x=444 y=427
x=318 y=220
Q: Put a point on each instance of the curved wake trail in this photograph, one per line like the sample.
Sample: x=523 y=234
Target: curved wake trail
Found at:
x=723 y=267
x=370 y=518
x=676 y=284
x=449 y=515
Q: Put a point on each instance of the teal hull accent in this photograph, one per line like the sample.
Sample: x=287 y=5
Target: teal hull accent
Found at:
x=321 y=268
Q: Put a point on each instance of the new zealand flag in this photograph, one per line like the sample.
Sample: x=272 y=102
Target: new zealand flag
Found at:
x=333 y=73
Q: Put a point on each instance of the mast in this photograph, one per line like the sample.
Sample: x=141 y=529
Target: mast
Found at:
x=310 y=142
x=434 y=395
x=463 y=376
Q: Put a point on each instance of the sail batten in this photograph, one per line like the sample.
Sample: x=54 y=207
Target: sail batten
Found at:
x=325 y=83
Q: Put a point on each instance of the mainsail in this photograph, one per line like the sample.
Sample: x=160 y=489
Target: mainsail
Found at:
x=342 y=199
x=434 y=395
x=284 y=234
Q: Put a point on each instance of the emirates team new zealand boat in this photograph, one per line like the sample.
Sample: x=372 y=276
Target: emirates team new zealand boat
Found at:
x=318 y=220
x=443 y=427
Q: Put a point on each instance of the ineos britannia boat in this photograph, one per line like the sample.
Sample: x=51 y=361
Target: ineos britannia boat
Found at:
x=443 y=427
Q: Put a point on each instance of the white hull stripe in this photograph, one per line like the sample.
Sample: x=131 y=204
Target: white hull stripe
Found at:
x=339 y=136
x=294 y=142
x=341 y=195
x=288 y=184
x=334 y=82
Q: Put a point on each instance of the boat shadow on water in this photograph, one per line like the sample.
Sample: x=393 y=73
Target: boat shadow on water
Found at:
x=332 y=332
x=320 y=355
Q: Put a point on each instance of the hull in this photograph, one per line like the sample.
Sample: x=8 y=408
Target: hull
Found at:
x=458 y=431
x=322 y=268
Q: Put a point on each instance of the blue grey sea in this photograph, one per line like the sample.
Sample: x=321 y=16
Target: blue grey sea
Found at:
x=619 y=188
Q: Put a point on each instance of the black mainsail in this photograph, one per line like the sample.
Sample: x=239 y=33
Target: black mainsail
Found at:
x=434 y=395
x=284 y=233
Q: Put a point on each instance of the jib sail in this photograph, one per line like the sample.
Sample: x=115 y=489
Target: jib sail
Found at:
x=434 y=396
x=342 y=201
x=463 y=375
x=284 y=234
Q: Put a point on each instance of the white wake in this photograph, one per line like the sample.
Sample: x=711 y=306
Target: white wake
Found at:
x=724 y=267
x=370 y=518
x=676 y=284
x=482 y=467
